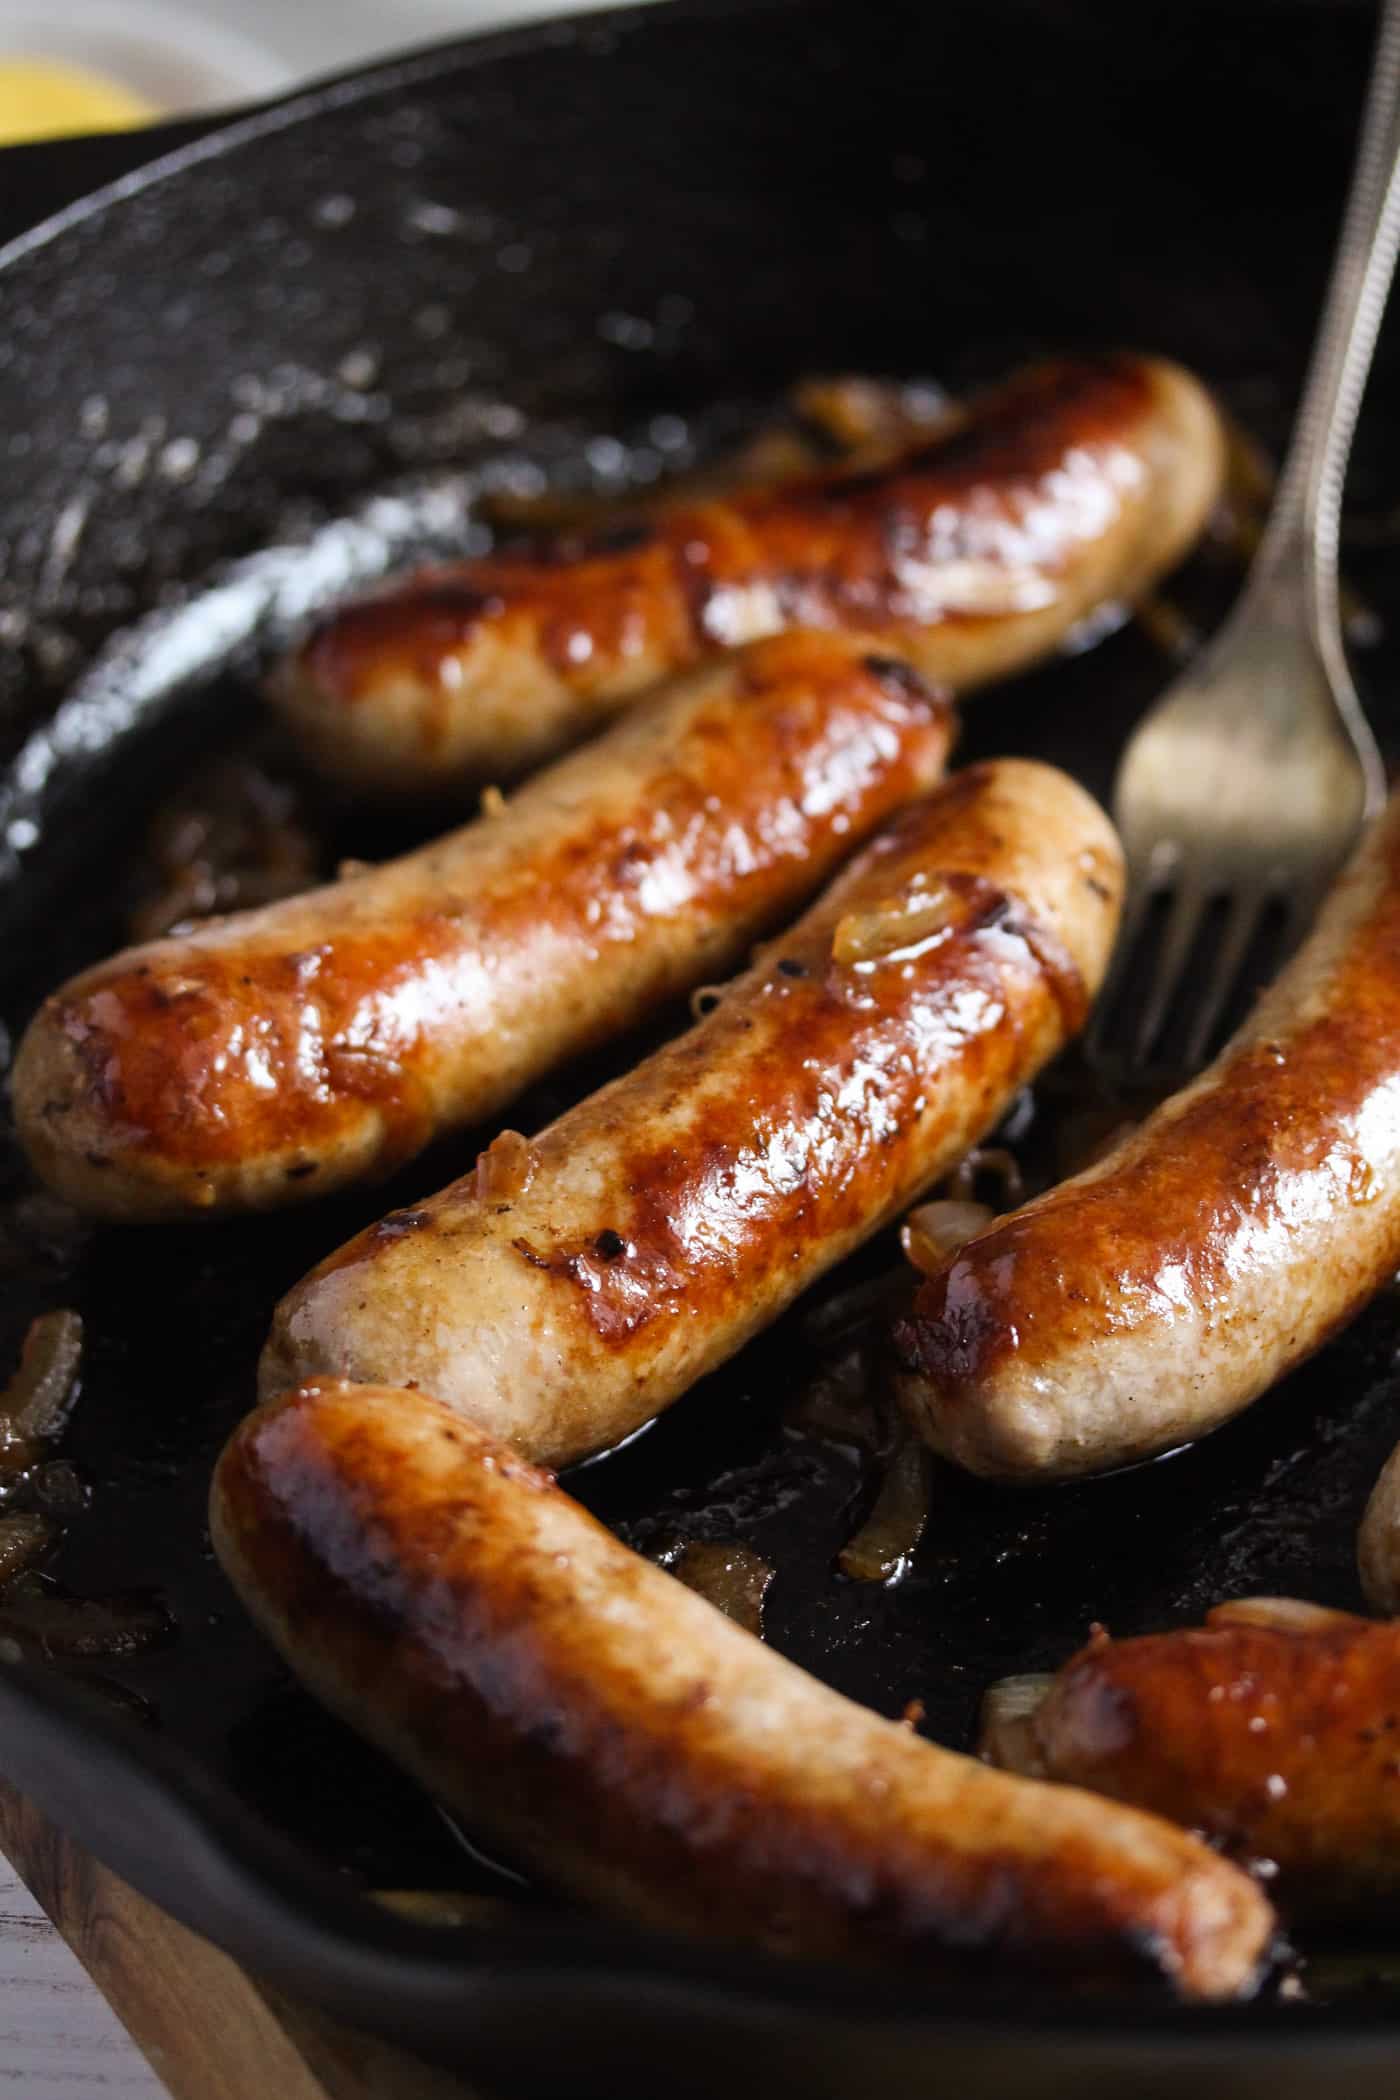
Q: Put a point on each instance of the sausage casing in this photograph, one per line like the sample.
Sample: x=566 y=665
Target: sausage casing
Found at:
x=567 y=1290
x=1074 y=483
x=283 y=1052
x=1145 y=1301
x=1274 y=1729
x=576 y=1704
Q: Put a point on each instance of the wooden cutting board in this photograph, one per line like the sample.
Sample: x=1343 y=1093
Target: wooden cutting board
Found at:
x=210 y=2031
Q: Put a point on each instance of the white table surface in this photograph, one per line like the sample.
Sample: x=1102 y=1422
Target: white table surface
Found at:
x=59 y=2038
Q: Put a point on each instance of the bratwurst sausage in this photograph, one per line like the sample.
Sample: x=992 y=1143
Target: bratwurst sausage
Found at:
x=618 y=1734
x=571 y=1287
x=1074 y=483
x=287 y=1051
x=1274 y=1729
x=1148 y=1299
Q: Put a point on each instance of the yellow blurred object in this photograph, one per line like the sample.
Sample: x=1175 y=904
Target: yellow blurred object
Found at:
x=42 y=98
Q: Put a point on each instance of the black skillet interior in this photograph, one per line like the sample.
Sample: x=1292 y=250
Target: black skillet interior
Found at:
x=294 y=357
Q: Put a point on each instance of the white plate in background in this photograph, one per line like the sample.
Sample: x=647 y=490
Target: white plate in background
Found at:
x=189 y=55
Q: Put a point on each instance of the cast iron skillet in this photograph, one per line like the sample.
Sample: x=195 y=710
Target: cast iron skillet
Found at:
x=282 y=357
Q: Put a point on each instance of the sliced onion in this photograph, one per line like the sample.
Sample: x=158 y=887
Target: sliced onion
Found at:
x=24 y=1539
x=232 y=838
x=123 y=1697
x=17 y=1455
x=884 y=1546
x=775 y=452
x=984 y=1160
x=935 y=1231
x=36 y=1401
x=58 y=1625
x=1006 y=1731
x=916 y=914
x=728 y=1575
x=59 y=1489
x=506 y=1168
x=874 y=415
x=863 y=419
x=444 y=1907
x=1281 y=1614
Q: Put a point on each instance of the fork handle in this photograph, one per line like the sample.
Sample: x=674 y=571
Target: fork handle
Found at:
x=1301 y=542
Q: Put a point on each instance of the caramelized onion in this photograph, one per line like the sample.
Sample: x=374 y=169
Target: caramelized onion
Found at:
x=861 y=415
x=729 y=1576
x=775 y=452
x=984 y=1160
x=59 y=1489
x=1284 y=1614
x=897 y=923
x=551 y=510
x=444 y=1907
x=234 y=837
x=36 y=1401
x=123 y=1697
x=506 y=1168
x=935 y=1231
x=858 y=420
x=1006 y=1732
x=32 y=1614
x=24 y=1539
x=17 y=1455
x=884 y=1546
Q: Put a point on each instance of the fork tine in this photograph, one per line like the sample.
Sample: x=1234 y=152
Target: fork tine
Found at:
x=1183 y=926
x=1243 y=920
x=1101 y=1033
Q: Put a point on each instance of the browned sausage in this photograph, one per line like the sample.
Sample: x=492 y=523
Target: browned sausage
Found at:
x=577 y=1705
x=1153 y=1296
x=1072 y=484
x=1274 y=1729
x=568 y=1289
x=284 y=1052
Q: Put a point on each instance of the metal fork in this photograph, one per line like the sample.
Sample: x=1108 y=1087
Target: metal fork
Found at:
x=1242 y=791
